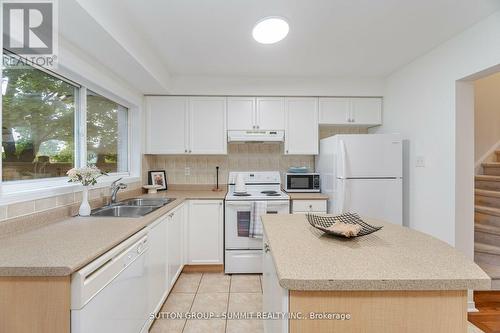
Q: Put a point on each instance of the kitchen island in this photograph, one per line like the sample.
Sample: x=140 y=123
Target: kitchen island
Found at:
x=394 y=280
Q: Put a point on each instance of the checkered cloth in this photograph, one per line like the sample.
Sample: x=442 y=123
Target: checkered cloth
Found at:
x=259 y=208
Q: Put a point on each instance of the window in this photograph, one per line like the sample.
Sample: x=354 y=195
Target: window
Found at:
x=41 y=113
x=38 y=124
x=107 y=133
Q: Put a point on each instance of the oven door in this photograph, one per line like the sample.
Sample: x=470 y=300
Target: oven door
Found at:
x=237 y=223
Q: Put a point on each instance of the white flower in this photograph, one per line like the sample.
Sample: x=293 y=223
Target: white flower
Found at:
x=87 y=175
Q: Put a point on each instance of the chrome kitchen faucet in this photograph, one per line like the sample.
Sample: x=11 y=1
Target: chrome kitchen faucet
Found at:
x=115 y=187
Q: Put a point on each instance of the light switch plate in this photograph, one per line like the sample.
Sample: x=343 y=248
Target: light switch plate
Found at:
x=420 y=162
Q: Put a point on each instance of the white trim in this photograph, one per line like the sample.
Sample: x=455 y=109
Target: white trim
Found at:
x=20 y=191
x=471 y=307
x=81 y=152
x=1 y=102
x=485 y=156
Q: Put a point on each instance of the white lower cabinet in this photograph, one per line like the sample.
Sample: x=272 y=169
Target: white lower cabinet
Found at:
x=175 y=252
x=274 y=297
x=205 y=232
x=190 y=233
x=156 y=263
x=165 y=257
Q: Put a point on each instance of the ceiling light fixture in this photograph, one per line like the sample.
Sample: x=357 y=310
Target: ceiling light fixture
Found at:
x=270 y=30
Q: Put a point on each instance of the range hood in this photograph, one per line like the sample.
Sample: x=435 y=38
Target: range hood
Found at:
x=255 y=136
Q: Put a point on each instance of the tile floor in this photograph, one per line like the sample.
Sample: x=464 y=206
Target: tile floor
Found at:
x=212 y=292
x=216 y=292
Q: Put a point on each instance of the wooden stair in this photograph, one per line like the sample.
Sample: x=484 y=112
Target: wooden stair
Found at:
x=487 y=220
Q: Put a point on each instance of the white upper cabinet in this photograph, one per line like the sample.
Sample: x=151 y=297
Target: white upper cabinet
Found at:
x=166 y=125
x=186 y=125
x=207 y=125
x=334 y=111
x=366 y=111
x=240 y=113
x=301 y=128
x=350 y=111
x=270 y=113
x=250 y=113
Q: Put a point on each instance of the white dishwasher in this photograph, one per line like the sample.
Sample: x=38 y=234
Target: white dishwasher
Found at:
x=110 y=294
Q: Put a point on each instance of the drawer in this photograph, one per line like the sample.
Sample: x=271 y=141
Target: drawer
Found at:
x=243 y=261
x=318 y=206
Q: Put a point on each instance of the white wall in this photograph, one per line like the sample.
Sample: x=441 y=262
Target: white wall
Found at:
x=486 y=115
x=420 y=104
x=283 y=86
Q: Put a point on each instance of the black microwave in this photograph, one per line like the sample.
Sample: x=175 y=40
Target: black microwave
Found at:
x=302 y=182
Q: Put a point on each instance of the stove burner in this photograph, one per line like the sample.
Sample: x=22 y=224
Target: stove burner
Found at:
x=269 y=192
x=275 y=194
x=236 y=194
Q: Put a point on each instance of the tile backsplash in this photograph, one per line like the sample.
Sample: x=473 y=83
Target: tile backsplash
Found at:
x=200 y=169
x=67 y=202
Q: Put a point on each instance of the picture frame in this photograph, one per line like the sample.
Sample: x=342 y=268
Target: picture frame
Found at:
x=158 y=177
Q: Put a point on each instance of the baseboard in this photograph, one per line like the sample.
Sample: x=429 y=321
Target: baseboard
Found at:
x=471 y=307
x=203 y=268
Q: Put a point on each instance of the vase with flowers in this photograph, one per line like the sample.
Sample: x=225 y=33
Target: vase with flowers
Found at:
x=87 y=176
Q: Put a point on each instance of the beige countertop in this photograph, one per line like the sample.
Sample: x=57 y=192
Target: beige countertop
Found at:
x=61 y=248
x=394 y=258
x=307 y=196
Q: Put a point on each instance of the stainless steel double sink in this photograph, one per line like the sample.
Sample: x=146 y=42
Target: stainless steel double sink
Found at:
x=136 y=207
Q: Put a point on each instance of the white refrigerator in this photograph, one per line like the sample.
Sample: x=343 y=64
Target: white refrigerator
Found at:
x=363 y=173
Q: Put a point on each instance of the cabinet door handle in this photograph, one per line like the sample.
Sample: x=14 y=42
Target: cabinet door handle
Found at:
x=266 y=248
x=185 y=150
x=287 y=151
x=190 y=151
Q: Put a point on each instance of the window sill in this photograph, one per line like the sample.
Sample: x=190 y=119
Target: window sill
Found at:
x=32 y=190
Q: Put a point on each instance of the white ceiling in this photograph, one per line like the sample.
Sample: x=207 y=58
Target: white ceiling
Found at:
x=355 y=38
x=80 y=29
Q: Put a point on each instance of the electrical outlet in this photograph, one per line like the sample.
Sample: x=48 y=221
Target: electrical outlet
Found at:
x=187 y=171
x=420 y=162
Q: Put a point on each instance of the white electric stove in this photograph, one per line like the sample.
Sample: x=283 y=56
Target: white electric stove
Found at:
x=243 y=253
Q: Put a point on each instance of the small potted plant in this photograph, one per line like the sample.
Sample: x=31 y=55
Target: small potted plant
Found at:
x=87 y=176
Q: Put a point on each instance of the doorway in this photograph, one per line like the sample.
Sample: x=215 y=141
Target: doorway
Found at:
x=477 y=189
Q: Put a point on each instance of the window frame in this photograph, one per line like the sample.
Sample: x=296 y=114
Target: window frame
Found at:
x=129 y=131
x=29 y=189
